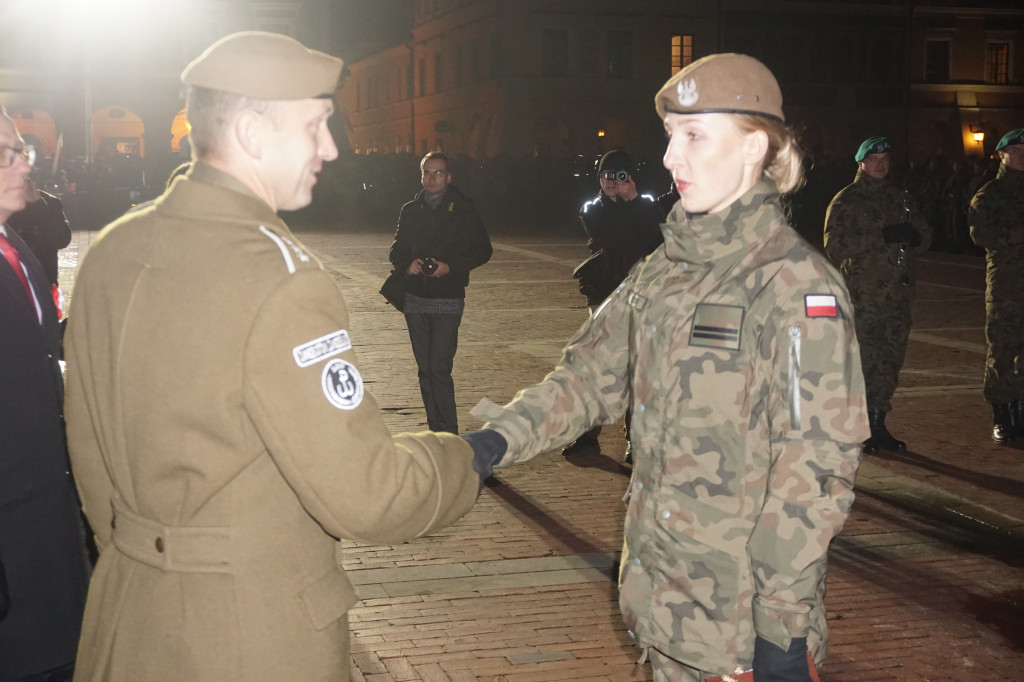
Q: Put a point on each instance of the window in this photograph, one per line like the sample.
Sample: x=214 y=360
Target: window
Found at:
x=474 y=61
x=459 y=65
x=495 y=56
x=438 y=72
x=936 y=61
x=554 y=52
x=359 y=96
x=682 y=52
x=423 y=78
x=997 y=62
x=409 y=91
x=620 y=54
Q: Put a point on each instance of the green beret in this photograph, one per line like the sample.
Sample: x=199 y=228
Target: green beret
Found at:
x=722 y=83
x=1012 y=137
x=264 y=66
x=872 y=145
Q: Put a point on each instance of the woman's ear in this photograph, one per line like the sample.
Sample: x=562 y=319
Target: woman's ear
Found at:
x=755 y=147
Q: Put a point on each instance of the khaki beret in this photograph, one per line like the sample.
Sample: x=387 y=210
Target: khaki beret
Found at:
x=264 y=66
x=722 y=83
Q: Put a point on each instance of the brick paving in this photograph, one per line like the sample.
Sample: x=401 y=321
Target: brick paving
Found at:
x=926 y=582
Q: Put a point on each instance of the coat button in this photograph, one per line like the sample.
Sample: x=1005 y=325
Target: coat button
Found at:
x=666 y=514
x=639 y=485
x=159 y=545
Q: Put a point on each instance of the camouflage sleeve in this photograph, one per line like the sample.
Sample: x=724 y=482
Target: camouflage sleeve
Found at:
x=984 y=219
x=842 y=238
x=923 y=227
x=818 y=421
x=589 y=386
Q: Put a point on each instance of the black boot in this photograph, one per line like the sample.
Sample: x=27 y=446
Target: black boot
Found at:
x=1002 y=422
x=880 y=439
x=586 y=444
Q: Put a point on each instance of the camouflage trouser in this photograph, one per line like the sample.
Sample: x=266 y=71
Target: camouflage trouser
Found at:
x=668 y=669
x=1004 y=364
x=883 y=327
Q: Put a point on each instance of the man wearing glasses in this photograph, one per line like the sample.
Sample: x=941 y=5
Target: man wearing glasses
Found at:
x=440 y=238
x=623 y=226
x=43 y=570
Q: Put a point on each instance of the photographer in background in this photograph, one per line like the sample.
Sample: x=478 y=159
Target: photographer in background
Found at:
x=440 y=238
x=623 y=227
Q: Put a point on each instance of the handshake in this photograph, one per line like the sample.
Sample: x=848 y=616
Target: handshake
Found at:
x=488 y=449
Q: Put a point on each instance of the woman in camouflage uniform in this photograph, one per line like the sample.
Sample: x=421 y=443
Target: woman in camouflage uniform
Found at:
x=734 y=346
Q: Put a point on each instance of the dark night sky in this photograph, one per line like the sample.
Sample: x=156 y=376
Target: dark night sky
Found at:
x=360 y=21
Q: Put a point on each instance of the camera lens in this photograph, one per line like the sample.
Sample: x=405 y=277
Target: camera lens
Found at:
x=622 y=176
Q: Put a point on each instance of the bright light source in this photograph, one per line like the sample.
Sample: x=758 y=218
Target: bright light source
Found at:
x=979 y=136
x=600 y=133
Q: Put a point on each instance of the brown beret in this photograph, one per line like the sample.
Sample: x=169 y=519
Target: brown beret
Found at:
x=722 y=83
x=264 y=66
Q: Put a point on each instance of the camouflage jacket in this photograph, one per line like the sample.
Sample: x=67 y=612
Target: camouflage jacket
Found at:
x=734 y=345
x=853 y=233
x=997 y=225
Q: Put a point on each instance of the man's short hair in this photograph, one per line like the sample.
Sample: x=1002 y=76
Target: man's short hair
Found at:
x=435 y=155
x=209 y=112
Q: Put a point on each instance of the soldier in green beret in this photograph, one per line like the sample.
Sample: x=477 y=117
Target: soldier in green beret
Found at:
x=220 y=430
x=873 y=229
x=733 y=344
x=997 y=224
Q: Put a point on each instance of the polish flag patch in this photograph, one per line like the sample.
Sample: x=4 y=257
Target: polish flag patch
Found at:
x=820 y=305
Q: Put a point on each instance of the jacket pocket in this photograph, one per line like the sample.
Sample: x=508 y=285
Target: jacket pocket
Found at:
x=328 y=598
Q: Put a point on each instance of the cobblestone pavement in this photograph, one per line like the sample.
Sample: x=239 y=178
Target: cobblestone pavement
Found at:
x=926 y=582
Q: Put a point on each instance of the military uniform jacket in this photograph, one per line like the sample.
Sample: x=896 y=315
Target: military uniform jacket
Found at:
x=221 y=434
x=854 y=241
x=735 y=347
x=997 y=225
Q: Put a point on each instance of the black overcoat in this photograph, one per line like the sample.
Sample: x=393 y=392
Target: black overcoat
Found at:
x=41 y=537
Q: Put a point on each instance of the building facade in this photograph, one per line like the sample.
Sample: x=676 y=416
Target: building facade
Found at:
x=485 y=78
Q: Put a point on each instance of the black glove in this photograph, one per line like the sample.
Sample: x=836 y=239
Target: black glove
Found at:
x=901 y=232
x=488 y=449
x=772 y=664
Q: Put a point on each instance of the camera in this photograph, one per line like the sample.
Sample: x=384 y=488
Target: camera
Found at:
x=618 y=175
x=429 y=266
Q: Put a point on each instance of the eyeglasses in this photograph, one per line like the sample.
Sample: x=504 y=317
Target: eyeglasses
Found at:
x=615 y=176
x=434 y=173
x=8 y=155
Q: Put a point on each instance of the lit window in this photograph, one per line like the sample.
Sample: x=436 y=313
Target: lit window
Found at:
x=682 y=51
x=997 y=62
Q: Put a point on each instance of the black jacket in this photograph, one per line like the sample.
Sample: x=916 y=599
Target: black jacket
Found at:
x=452 y=233
x=625 y=231
x=41 y=536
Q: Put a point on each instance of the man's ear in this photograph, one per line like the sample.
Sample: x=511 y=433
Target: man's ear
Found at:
x=249 y=129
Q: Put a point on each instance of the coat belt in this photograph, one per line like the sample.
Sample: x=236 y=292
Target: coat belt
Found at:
x=179 y=549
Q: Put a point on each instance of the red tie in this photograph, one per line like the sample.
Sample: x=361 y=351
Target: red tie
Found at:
x=11 y=254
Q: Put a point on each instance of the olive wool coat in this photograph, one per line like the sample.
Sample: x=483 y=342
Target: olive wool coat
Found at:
x=222 y=437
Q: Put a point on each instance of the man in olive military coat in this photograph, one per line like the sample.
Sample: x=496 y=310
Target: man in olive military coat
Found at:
x=218 y=422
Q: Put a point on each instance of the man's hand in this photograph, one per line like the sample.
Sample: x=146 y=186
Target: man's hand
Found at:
x=415 y=267
x=627 y=190
x=772 y=664
x=442 y=269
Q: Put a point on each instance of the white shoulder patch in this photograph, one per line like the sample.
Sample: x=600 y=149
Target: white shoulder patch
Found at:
x=343 y=385
x=289 y=249
x=314 y=351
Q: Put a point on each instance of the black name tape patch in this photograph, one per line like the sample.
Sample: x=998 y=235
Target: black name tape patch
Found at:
x=316 y=350
x=717 y=326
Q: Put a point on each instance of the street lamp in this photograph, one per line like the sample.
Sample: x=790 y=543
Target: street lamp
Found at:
x=978 y=134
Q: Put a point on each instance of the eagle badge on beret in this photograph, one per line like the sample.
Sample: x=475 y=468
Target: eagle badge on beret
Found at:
x=687 y=93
